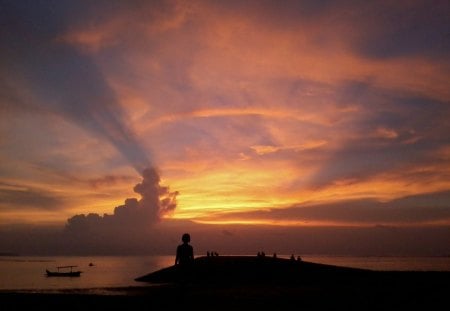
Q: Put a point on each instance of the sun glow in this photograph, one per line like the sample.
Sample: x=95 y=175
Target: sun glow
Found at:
x=241 y=109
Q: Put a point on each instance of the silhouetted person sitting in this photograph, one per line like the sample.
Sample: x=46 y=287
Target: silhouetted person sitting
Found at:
x=292 y=257
x=299 y=258
x=185 y=252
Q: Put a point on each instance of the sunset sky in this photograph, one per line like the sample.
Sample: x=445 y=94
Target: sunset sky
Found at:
x=287 y=114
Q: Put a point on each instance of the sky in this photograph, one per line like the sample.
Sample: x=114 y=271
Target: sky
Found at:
x=317 y=126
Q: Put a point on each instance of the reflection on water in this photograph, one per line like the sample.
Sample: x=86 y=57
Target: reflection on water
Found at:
x=28 y=273
x=385 y=263
x=109 y=271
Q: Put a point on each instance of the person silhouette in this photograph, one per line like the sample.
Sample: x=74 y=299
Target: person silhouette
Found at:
x=185 y=252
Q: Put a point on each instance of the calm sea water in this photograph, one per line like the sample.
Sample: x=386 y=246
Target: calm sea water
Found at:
x=28 y=273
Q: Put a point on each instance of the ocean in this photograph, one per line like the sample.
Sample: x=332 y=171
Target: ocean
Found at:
x=28 y=273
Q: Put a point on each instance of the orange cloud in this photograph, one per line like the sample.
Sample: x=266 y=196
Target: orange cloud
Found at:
x=206 y=86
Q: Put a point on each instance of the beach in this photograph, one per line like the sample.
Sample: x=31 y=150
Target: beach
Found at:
x=314 y=287
x=400 y=295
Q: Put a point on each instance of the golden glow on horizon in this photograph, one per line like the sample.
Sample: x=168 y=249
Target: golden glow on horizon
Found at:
x=239 y=112
x=299 y=223
x=211 y=202
x=236 y=187
x=229 y=190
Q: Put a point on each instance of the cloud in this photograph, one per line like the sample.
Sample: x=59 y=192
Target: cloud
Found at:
x=134 y=215
x=64 y=80
x=267 y=149
x=387 y=133
x=12 y=199
x=28 y=198
x=108 y=180
x=392 y=132
x=299 y=90
x=433 y=208
x=402 y=29
x=162 y=239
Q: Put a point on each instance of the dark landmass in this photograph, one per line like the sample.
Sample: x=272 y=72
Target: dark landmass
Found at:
x=248 y=283
x=251 y=270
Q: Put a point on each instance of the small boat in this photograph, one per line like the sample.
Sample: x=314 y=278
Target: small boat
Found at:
x=64 y=272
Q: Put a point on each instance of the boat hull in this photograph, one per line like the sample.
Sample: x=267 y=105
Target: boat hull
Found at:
x=64 y=274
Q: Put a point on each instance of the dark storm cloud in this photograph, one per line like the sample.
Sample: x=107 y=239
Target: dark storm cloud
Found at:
x=65 y=81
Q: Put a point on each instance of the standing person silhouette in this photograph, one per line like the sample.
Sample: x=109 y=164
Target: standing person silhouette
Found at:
x=185 y=252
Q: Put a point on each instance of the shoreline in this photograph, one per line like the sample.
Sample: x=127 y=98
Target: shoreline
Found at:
x=236 y=283
x=239 y=297
x=364 y=295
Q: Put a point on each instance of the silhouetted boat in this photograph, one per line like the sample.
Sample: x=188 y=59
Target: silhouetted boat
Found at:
x=64 y=273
